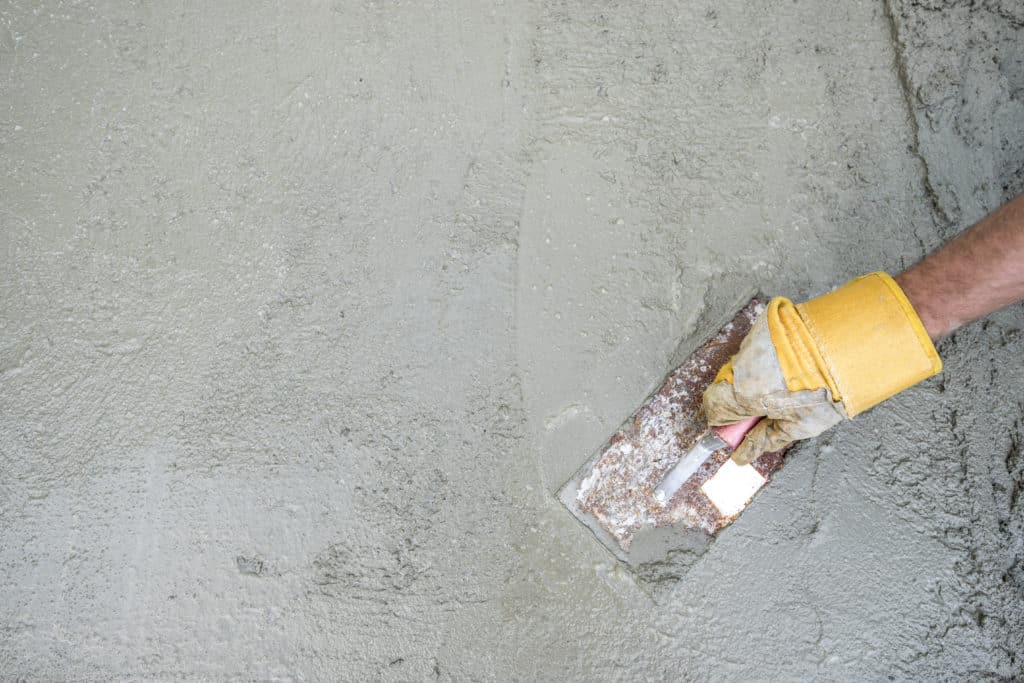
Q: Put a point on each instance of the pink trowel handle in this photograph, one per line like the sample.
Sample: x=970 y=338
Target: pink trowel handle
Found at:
x=733 y=434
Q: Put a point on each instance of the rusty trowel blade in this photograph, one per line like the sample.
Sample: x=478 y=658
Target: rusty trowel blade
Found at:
x=613 y=493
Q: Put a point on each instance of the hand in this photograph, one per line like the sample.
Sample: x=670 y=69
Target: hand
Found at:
x=808 y=366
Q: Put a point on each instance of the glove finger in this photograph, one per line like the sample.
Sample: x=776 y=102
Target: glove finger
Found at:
x=766 y=436
x=722 y=406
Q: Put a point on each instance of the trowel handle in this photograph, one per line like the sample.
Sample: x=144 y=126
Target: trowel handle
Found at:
x=733 y=434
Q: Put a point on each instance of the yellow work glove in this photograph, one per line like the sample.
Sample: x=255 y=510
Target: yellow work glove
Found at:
x=807 y=366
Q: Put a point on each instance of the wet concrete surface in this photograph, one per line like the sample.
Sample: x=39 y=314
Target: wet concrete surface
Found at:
x=308 y=311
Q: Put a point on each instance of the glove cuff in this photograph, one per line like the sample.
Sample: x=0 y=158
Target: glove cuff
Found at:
x=869 y=340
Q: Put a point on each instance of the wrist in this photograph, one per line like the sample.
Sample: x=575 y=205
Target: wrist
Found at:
x=936 y=321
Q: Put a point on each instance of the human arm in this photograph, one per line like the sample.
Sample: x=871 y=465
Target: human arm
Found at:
x=978 y=272
x=806 y=367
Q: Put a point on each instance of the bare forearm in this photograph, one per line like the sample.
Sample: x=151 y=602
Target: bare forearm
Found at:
x=978 y=272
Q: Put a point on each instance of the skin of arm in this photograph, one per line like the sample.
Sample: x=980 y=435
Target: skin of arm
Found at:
x=979 y=271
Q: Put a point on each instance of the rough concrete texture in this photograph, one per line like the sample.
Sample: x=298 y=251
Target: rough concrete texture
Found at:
x=309 y=308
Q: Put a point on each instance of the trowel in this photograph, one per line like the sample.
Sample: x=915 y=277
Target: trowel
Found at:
x=664 y=485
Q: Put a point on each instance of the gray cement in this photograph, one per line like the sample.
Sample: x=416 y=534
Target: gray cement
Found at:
x=308 y=309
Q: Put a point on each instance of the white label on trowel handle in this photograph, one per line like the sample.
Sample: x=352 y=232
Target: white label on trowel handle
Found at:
x=732 y=487
x=687 y=465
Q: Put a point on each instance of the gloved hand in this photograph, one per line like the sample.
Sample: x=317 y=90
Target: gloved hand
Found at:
x=808 y=366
